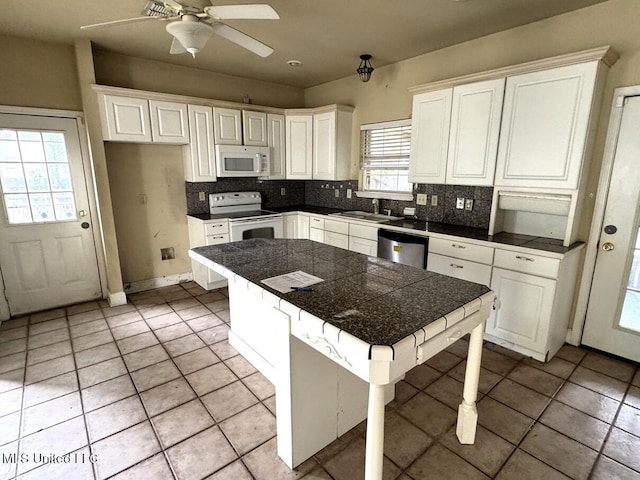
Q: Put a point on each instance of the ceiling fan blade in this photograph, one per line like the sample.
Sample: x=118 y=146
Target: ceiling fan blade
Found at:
x=176 y=47
x=117 y=22
x=248 y=12
x=242 y=39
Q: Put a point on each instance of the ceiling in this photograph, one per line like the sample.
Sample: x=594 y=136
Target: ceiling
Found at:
x=327 y=36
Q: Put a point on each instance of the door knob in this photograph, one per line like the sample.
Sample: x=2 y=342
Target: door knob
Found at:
x=85 y=225
x=607 y=247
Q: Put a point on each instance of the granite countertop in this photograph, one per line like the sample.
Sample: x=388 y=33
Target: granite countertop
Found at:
x=375 y=300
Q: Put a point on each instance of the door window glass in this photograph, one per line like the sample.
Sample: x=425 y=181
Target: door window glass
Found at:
x=35 y=177
x=630 y=317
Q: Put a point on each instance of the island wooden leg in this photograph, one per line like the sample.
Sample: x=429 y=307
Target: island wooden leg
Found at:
x=467 y=411
x=375 y=433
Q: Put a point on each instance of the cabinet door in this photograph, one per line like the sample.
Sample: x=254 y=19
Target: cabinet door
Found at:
x=199 y=157
x=316 y=235
x=290 y=226
x=431 y=119
x=336 y=239
x=169 y=122
x=303 y=226
x=363 y=245
x=254 y=128
x=125 y=119
x=523 y=310
x=473 y=137
x=227 y=126
x=324 y=146
x=275 y=137
x=299 y=143
x=545 y=126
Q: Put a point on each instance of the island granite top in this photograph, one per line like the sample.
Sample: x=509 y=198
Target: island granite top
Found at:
x=373 y=299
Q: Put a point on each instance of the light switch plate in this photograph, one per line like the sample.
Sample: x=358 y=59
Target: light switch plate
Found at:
x=201 y=196
x=336 y=192
x=349 y=192
x=421 y=199
x=434 y=200
x=283 y=191
x=460 y=203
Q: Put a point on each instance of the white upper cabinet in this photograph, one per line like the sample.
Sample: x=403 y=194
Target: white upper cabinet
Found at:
x=474 y=133
x=545 y=126
x=454 y=134
x=199 y=155
x=125 y=119
x=430 y=122
x=324 y=146
x=169 y=122
x=299 y=146
x=227 y=126
x=276 y=140
x=254 y=128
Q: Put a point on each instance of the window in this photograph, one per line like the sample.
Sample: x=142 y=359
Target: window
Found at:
x=35 y=177
x=385 y=156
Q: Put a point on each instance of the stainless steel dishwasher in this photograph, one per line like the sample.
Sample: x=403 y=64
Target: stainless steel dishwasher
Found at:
x=402 y=248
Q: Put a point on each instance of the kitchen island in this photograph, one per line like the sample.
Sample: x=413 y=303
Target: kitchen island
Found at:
x=334 y=352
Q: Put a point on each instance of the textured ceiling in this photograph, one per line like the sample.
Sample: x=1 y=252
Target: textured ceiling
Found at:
x=327 y=36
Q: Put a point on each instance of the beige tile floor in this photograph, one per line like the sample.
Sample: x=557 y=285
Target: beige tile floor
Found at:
x=152 y=390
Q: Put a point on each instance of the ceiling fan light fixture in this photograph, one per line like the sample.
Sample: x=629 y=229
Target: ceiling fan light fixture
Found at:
x=365 y=69
x=191 y=33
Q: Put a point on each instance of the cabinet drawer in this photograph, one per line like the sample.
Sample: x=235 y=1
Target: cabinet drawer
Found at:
x=363 y=231
x=363 y=245
x=462 y=269
x=217 y=239
x=316 y=222
x=336 y=226
x=465 y=251
x=527 y=263
x=216 y=228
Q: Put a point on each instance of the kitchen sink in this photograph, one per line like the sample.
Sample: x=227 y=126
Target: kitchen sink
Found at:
x=367 y=216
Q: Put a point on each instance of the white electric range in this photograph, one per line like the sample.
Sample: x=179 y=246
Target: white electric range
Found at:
x=245 y=216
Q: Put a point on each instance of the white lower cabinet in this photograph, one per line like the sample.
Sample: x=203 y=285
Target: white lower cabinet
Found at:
x=207 y=232
x=363 y=239
x=523 y=310
x=534 y=300
x=290 y=225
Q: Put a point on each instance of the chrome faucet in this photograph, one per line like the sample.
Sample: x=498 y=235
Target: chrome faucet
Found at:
x=376 y=206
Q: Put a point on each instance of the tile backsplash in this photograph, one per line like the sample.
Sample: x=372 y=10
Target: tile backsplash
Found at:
x=323 y=194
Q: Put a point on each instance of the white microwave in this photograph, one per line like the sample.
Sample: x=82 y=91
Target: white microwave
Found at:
x=241 y=161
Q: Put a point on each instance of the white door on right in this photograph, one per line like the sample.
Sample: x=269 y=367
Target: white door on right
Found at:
x=613 y=315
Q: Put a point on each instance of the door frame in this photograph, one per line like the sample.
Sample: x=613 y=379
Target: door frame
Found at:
x=90 y=185
x=574 y=335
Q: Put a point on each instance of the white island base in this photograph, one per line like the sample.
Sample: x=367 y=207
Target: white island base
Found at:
x=328 y=381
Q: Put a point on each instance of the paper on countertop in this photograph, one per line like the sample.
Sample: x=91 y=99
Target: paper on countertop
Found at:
x=284 y=283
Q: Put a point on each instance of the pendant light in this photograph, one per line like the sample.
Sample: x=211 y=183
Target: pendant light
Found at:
x=365 y=68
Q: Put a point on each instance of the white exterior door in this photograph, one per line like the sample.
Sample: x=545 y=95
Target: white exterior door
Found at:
x=613 y=314
x=48 y=255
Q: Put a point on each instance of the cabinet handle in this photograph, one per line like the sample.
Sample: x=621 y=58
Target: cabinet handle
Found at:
x=455 y=266
x=526 y=259
x=455 y=245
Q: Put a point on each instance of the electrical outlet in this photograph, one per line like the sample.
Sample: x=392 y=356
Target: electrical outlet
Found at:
x=167 y=253
x=349 y=192
x=283 y=191
x=468 y=204
x=421 y=199
x=201 y=196
x=336 y=192
x=142 y=199
x=434 y=200
x=460 y=203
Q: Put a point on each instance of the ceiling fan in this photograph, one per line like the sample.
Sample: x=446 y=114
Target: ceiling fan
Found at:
x=191 y=26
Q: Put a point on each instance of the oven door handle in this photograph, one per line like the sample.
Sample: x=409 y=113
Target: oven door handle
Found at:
x=254 y=220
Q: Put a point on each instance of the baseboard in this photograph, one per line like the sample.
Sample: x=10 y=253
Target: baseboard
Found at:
x=150 y=284
x=116 y=299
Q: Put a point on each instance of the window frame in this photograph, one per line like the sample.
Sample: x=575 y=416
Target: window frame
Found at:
x=405 y=126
